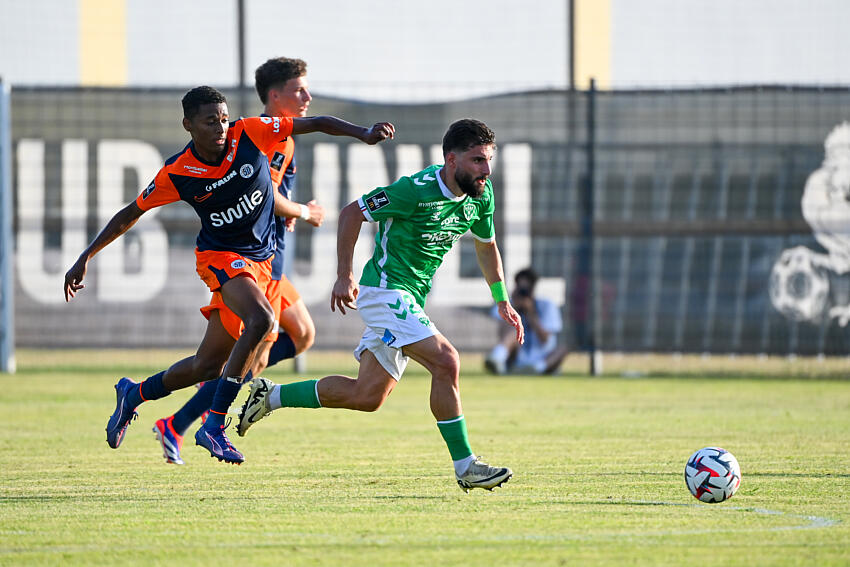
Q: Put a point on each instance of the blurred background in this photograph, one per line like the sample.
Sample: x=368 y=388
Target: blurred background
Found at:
x=677 y=171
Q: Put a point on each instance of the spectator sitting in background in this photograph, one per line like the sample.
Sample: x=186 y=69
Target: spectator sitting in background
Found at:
x=540 y=354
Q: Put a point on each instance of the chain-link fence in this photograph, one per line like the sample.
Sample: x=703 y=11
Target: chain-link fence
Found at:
x=719 y=224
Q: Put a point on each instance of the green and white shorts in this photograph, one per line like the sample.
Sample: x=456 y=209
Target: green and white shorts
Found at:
x=393 y=319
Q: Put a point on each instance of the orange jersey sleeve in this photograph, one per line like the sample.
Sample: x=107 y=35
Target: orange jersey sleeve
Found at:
x=266 y=131
x=161 y=191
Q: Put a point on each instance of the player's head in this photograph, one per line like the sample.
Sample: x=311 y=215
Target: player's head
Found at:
x=205 y=118
x=468 y=148
x=281 y=83
x=525 y=280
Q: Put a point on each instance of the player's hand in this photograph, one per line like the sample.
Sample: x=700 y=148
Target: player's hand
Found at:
x=509 y=314
x=344 y=294
x=289 y=224
x=378 y=133
x=317 y=213
x=74 y=278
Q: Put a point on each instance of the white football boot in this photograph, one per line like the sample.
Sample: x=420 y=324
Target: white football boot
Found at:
x=481 y=475
x=256 y=407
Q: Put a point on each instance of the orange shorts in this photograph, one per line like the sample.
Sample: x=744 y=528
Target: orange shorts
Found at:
x=284 y=289
x=217 y=268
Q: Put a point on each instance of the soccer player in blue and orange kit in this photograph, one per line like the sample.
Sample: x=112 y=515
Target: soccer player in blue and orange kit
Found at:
x=282 y=86
x=223 y=174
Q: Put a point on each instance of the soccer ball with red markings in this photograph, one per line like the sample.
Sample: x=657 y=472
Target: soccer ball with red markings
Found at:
x=712 y=475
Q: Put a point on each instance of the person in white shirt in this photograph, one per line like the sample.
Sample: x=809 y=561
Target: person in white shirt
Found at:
x=540 y=354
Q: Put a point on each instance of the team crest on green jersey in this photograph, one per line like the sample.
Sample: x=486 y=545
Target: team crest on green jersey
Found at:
x=468 y=209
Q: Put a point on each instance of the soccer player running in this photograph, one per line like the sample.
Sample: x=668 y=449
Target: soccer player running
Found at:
x=420 y=217
x=281 y=84
x=223 y=174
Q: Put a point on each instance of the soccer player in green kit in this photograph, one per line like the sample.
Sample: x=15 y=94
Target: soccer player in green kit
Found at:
x=420 y=217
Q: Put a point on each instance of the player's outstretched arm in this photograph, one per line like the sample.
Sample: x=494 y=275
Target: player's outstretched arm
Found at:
x=345 y=289
x=117 y=225
x=334 y=126
x=490 y=262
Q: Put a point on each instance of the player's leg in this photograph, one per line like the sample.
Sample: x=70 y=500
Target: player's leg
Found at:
x=206 y=365
x=244 y=297
x=367 y=392
x=441 y=359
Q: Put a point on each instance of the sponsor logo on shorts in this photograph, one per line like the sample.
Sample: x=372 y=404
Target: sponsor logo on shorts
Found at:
x=148 y=190
x=377 y=201
x=277 y=161
x=246 y=171
x=238 y=264
x=388 y=337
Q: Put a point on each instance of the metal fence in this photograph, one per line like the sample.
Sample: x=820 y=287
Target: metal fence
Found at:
x=702 y=241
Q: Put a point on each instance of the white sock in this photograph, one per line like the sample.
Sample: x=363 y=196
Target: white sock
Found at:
x=499 y=352
x=274 y=398
x=463 y=464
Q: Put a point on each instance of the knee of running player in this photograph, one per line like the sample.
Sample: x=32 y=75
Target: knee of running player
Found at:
x=305 y=338
x=259 y=322
x=445 y=365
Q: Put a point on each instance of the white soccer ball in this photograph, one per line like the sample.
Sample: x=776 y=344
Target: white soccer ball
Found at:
x=798 y=289
x=712 y=475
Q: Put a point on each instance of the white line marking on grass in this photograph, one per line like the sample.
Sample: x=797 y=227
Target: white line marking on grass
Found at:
x=814 y=521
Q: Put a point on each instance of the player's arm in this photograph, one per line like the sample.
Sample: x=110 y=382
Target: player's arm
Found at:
x=345 y=289
x=118 y=225
x=311 y=212
x=490 y=262
x=334 y=126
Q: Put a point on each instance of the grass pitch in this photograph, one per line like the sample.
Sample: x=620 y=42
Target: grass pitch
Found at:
x=598 y=474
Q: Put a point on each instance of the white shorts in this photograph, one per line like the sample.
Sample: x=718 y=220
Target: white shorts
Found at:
x=393 y=319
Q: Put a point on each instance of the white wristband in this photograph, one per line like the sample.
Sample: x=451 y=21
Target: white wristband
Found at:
x=305 y=212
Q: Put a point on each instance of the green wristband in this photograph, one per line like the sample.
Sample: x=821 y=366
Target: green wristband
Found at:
x=499 y=291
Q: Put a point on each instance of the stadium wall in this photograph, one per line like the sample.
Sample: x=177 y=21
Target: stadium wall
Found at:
x=699 y=194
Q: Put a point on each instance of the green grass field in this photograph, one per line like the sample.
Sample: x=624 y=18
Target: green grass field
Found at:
x=598 y=474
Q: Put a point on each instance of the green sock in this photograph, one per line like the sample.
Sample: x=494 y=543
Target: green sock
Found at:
x=454 y=434
x=299 y=395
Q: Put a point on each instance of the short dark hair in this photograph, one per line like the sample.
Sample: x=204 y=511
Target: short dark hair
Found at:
x=199 y=96
x=528 y=274
x=277 y=71
x=465 y=134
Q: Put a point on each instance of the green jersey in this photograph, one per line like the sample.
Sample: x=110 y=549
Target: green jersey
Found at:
x=419 y=221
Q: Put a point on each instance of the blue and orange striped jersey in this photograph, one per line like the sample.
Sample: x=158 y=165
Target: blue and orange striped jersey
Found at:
x=234 y=198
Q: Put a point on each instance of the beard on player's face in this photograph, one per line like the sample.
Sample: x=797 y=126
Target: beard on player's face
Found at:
x=467 y=184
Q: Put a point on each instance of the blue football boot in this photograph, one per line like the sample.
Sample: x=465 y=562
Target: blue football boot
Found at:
x=123 y=414
x=215 y=440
